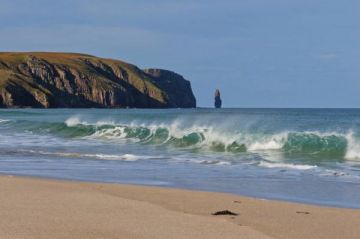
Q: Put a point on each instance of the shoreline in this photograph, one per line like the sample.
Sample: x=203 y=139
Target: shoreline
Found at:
x=33 y=207
x=174 y=187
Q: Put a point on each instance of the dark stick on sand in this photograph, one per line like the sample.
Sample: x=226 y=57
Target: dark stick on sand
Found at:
x=225 y=212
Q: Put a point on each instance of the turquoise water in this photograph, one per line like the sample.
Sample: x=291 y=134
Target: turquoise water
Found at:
x=304 y=155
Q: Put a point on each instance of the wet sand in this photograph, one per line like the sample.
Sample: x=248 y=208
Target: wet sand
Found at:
x=45 y=208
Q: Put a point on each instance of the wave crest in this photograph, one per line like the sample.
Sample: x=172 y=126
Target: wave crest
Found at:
x=208 y=137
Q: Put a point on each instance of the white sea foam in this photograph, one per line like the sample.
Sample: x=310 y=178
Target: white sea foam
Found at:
x=124 y=157
x=276 y=141
x=112 y=133
x=214 y=162
x=353 y=147
x=286 y=165
x=120 y=157
x=73 y=121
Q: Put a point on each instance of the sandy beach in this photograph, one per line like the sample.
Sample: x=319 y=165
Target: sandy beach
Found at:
x=45 y=208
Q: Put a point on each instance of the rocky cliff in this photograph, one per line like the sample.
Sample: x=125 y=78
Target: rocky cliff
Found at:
x=218 y=101
x=53 y=80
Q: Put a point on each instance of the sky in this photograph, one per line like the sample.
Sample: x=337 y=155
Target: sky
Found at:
x=259 y=53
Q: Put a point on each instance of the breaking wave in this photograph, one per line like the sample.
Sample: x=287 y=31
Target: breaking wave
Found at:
x=206 y=138
x=3 y=120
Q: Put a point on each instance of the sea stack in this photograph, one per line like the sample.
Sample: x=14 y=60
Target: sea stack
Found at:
x=218 y=101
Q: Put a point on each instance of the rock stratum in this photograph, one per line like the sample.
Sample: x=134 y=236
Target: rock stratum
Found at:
x=68 y=80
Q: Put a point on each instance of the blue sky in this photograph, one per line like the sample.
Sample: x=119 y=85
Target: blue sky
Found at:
x=260 y=53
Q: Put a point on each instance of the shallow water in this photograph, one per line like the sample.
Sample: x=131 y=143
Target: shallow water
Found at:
x=304 y=155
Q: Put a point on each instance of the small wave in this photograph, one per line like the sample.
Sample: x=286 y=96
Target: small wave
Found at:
x=121 y=157
x=214 y=162
x=4 y=120
x=340 y=174
x=124 y=157
x=286 y=165
x=77 y=121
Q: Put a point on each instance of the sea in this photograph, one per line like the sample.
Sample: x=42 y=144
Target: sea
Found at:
x=298 y=155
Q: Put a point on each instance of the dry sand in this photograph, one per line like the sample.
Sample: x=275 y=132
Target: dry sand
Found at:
x=43 y=208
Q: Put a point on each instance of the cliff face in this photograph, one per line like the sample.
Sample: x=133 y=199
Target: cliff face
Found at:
x=172 y=82
x=51 y=80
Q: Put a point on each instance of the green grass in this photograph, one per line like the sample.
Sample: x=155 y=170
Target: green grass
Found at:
x=75 y=61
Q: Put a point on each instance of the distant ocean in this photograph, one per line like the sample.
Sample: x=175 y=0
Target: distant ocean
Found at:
x=302 y=155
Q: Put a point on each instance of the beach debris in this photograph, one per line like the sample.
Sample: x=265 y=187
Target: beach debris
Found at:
x=302 y=212
x=225 y=212
x=237 y=201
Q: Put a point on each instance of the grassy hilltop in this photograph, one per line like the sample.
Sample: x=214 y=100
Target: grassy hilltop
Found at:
x=53 y=80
